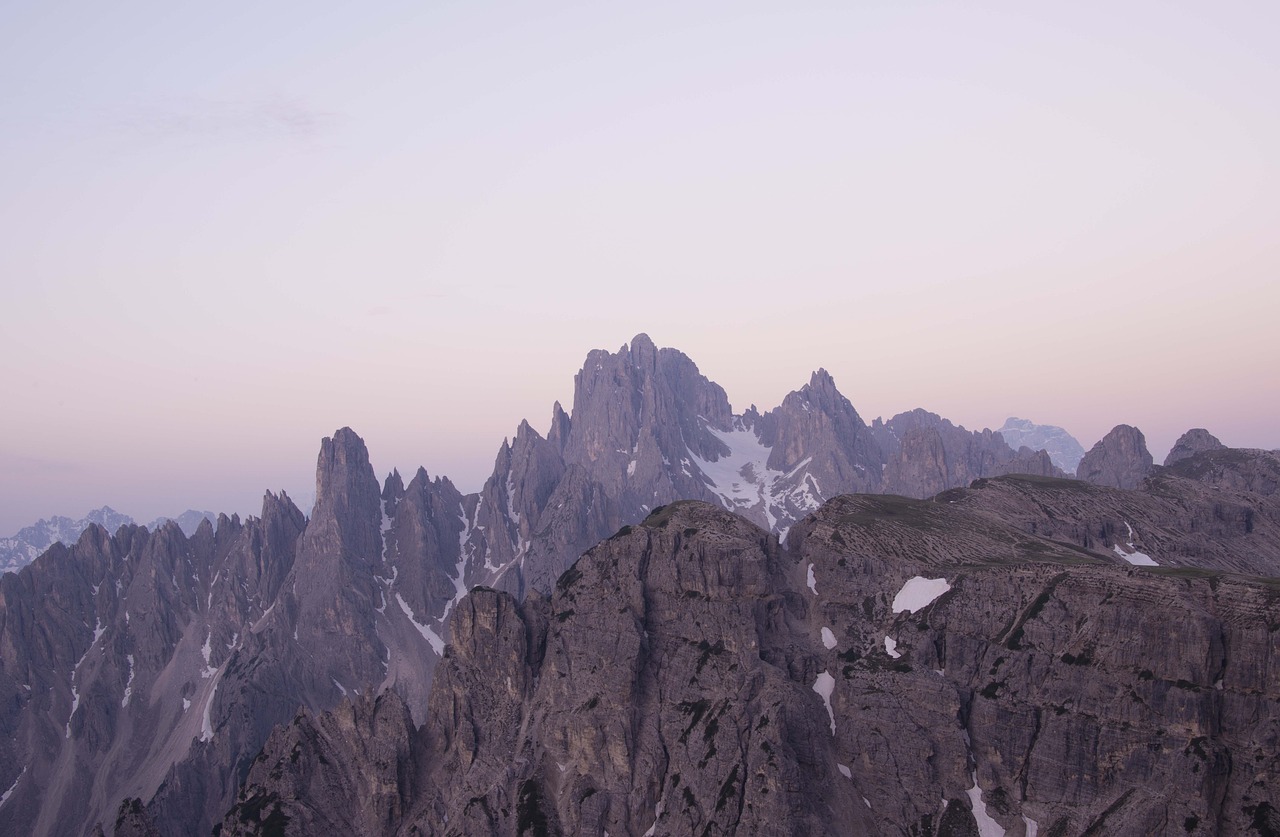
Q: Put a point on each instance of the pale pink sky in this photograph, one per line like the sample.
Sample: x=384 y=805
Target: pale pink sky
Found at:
x=227 y=230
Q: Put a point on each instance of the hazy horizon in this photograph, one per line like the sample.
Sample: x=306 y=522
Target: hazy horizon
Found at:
x=299 y=480
x=228 y=231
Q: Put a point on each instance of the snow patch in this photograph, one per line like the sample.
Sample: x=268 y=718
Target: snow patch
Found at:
x=5 y=796
x=1133 y=556
x=844 y=770
x=186 y=704
x=1032 y=828
x=812 y=582
x=891 y=647
x=657 y=813
x=207 y=651
x=75 y=693
x=437 y=644
x=744 y=481
x=987 y=827
x=824 y=686
x=341 y=688
x=512 y=514
x=206 y=724
x=1138 y=559
x=386 y=527
x=918 y=593
x=460 y=578
x=128 y=686
x=263 y=617
x=828 y=638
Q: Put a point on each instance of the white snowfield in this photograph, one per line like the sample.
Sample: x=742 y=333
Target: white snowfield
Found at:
x=919 y=592
x=432 y=638
x=891 y=647
x=824 y=686
x=1133 y=556
x=744 y=481
x=987 y=827
x=5 y=798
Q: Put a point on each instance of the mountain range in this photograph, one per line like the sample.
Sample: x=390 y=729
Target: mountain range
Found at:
x=30 y=541
x=665 y=617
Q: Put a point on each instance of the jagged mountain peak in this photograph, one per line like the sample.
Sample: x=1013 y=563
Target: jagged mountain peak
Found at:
x=822 y=380
x=393 y=490
x=344 y=478
x=558 y=434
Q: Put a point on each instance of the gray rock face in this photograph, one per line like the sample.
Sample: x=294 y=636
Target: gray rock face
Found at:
x=691 y=676
x=30 y=541
x=1063 y=448
x=1119 y=460
x=153 y=666
x=1195 y=440
x=365 y=790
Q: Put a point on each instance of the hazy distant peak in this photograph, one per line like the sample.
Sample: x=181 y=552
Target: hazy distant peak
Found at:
x=1064 y=449
x=22 y=548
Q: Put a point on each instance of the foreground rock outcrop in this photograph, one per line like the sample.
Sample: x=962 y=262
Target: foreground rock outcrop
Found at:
x=901 y=667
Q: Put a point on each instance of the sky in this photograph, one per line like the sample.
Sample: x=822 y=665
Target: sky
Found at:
x=227 y=230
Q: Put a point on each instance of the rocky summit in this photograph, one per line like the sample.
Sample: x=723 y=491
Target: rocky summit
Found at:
x=1119 y=460
x=665 y=617
x=1196 y=440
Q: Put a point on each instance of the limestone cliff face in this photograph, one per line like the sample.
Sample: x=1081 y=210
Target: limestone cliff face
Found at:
x=902 y=667
x=1119 y=460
